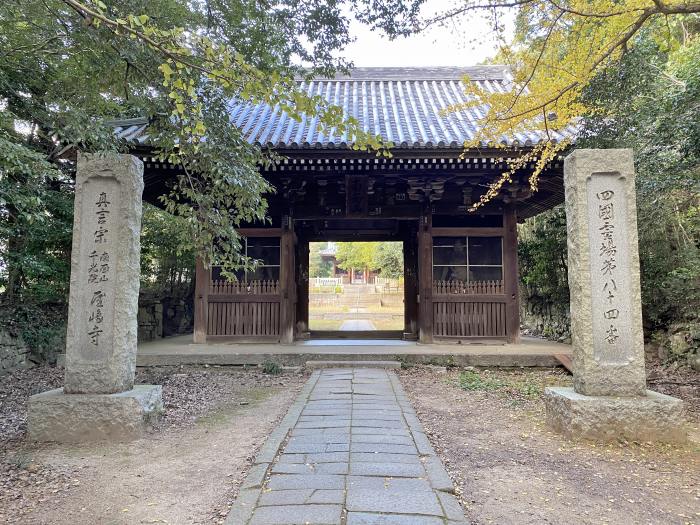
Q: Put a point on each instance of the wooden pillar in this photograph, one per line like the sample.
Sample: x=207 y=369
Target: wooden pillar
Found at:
x=425 y=277
x=410 y=283
x=302 y=286
x=202 y=277
x=510 y=269
x=287 y=283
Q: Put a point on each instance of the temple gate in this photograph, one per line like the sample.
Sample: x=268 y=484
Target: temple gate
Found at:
x=461 y=268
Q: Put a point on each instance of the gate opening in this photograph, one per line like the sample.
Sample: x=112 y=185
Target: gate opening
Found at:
x=356 y=287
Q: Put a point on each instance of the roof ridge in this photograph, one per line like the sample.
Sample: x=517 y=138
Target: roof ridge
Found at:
x=124 y=122
x=417 y=73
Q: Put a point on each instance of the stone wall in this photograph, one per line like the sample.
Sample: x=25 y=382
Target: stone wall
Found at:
x=542 y=318
x=679 y=344
x=163 y=317
x=14 y=353
x=150 y=320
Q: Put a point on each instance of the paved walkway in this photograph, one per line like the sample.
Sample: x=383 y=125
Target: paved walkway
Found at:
x=350 y=451
x=358 y=324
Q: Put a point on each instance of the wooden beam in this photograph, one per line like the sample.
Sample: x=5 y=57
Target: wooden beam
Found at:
x=314 y=212
x=425 y=277
x=202 y=277
x=244 y=298
x=510 y=277
x=288 y=286
x=470 y=298
x=302 y=284
x=260 y=232
x=356 y=334
x=410 y=286
x=471 y=232
x=356 y=197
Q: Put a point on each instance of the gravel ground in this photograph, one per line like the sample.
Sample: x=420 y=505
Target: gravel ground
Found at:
x=186 y=470
x=677 y=381
x=488 y=427
x=15 y=389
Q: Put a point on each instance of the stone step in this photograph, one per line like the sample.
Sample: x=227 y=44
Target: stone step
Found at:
x=352 y=364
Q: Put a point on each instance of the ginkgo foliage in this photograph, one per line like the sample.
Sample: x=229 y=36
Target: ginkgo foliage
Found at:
x=558 y=48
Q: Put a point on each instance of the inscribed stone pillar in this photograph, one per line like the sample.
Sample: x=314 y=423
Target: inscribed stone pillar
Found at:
x=105 y=273
x=606 y=307
x=99 y=400
x=609 y=400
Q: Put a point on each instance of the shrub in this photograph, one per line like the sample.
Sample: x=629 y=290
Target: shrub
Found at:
x=272 y=368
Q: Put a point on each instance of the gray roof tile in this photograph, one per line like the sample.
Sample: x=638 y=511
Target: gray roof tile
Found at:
x=402 y=105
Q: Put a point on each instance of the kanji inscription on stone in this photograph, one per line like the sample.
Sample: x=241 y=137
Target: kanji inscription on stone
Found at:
x=103 y=303
x=101 y=198
x=608 y=258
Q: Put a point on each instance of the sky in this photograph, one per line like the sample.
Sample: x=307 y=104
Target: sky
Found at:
x=465 y=45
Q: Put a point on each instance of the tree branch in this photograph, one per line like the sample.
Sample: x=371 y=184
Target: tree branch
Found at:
x=468 y=8
x=537 y=62
x=611 y=49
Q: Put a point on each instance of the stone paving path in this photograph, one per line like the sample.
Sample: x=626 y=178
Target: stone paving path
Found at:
x=357 y=324
x=350 y=451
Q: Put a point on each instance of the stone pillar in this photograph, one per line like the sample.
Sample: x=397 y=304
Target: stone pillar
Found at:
x=609 y=399
x=99 y=399
x=606 y=307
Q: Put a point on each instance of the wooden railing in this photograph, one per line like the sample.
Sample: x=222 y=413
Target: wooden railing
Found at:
x=244 y=310
x=224 y=287
x=469 y=309
x=471 y=287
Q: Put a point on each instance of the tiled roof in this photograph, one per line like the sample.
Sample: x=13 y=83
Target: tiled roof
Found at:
x=403 y=105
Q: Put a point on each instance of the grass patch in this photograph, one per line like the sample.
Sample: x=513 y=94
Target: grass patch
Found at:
x=517 y=387
x=271 y=368
x=474 y=381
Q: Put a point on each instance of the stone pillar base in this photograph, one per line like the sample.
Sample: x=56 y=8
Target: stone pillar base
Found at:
x=74 y=418
x=653 y=417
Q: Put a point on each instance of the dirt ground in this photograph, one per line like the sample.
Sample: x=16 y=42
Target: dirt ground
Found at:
x=488 y=427
x=187 y=470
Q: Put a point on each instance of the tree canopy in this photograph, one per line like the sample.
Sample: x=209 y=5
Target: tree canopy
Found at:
x=648 y=101
x=67 y=66
x=388 y=259
x=559 y=48
x=356 y=255
x=385 y=257
x=317 y=266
